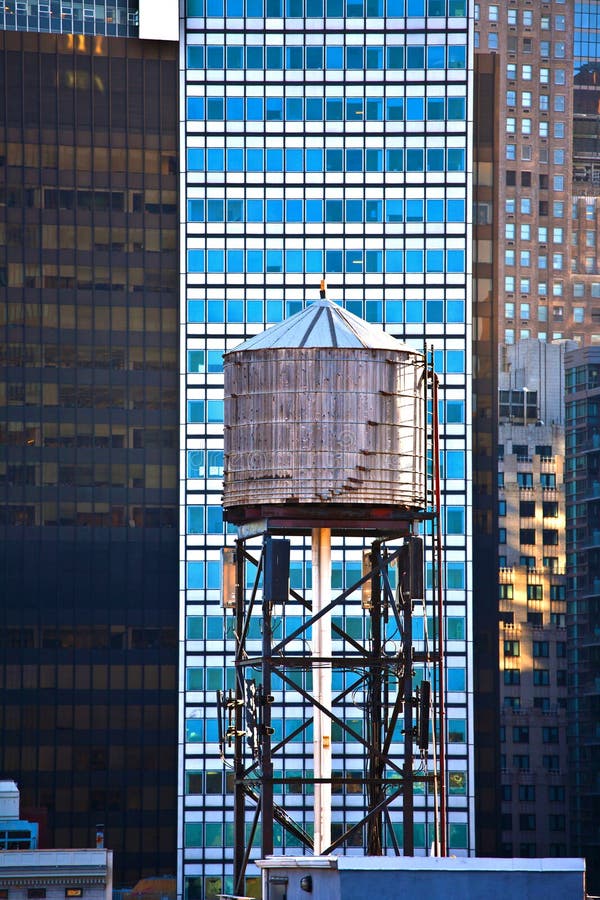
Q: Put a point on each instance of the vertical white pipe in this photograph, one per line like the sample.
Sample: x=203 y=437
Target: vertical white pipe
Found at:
x=321 y=642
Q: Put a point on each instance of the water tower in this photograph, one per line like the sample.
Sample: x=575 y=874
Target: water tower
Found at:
x=330 y=434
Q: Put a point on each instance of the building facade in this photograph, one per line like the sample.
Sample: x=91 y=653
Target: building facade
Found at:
x=88 y=441
x=583 y=593
x=318 y=138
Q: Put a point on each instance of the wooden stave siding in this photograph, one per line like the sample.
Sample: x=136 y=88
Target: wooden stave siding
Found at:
x=357 y=438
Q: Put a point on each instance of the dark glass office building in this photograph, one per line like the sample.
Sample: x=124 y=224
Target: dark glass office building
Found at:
x=88 y=441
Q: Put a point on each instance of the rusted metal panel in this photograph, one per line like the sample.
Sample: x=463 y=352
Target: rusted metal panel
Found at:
x=321 y=425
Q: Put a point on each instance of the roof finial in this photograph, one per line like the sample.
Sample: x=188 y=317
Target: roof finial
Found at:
x=323 y=289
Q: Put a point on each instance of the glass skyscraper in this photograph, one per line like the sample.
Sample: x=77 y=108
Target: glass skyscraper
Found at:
x=318 y=137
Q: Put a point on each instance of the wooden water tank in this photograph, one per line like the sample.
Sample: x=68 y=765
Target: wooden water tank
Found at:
x=324 y=408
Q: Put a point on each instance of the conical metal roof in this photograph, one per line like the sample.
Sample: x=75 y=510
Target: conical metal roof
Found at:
x=323 y=324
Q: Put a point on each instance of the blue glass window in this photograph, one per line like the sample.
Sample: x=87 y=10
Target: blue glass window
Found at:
x=235 y=159
x=414 y=260
x=394 y=211
x=293 y=260
x=254 y=160
x=275 y=8
x=314 y=8
x=455 y=411
x=214 y=519
x=293 y=210
x=334 y=160
x=215 y=210
x=434 y=310
x=195 y=464
x=195 y=108
x=395 y=8
x=435 y=210
x=335 y=8
x=436 y=56
x=414 y=311
x=214 y=7
x=355 y=9
x=216 y=311
x=374 y=160
x=435 y=263
x=334 y=109
x=195 y=260
x=235 y=310
x=314 y=258
x=195 y=361
x=195 y=411
x=374 y=263
x=274 y=310
x=354 y=160
x=235 y=260
x=294 y=161
x=274 y=57
x=333 y=211
x=395 y=57
x=355 y=58
x=195 y=7
x=275 y=160
x=334 y=57
x=314 y=160
x=414 y=210
x=254 y=58
x=456 y=159
x=394 y=261
x=456 y=679
x=354 y=261
x=456 y=108
x=254 y=211
x=314 y=213
x=294 y=57
x=455 y=311
x=195 y=158
x=314 y=57
x=394 y=109
x=394 y=160
x=255 y=9
x=195 y=519
x=294 y=8
x=436 y=7
x=375 y=54
x=254 y=310
x=354 y=211
x=214 y=107
x=373 y=210
x=216 y=260
x=254 y=109
x=215 y=362
x=455 y=210
x=254 y=261
x=354 y=109
x=393 y=311
x=333 y=261
x=214 y=57
x=435 y=159
x=274 y=210
x=314 y=109
x=294 y=109
x=416 y=8
x=414 y=160
x=457 y=57
x=274 y=261
x=455 y=361
x=374 y=107
x=457 y=7
x=436 y=109
x=196 y=57
x=455 y=261
x=195 y=311
x=235 y=109
x=215 y=159
x=455 y=574
x=274 y=108
x=415 y=109
x=415 y=57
